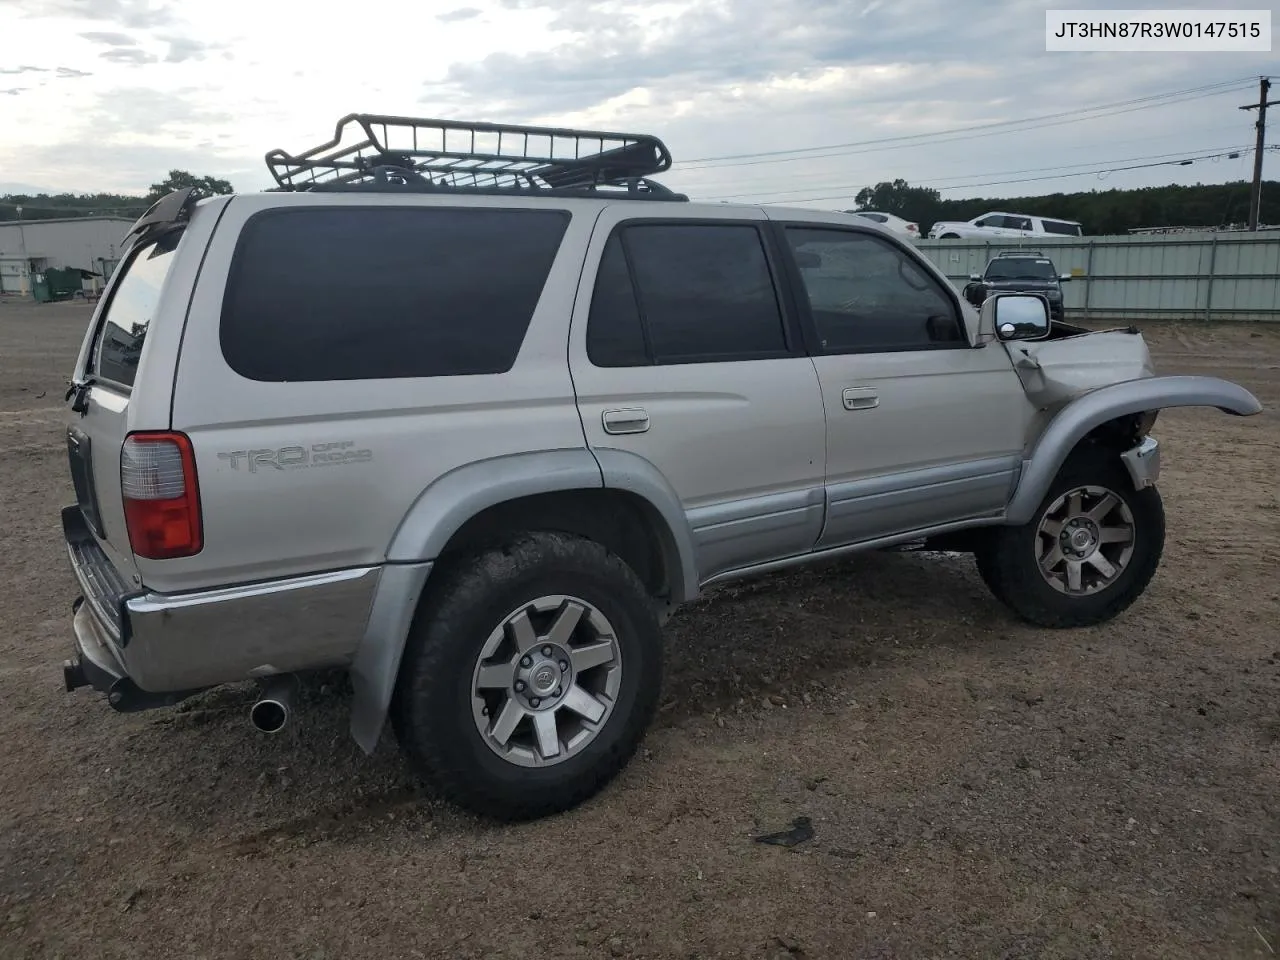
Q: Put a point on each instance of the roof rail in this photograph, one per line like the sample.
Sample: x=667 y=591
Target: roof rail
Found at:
x=1020 y=252
x=382 y=153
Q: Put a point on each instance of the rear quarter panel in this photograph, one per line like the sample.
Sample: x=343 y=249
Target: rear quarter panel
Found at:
x=356 y=453
x=114 y=412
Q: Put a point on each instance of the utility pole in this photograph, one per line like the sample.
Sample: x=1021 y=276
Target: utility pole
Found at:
x=1255 y=195
x=25 y=278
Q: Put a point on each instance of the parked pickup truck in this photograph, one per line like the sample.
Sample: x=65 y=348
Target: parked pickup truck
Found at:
x=1019 y=271
x=472 y=434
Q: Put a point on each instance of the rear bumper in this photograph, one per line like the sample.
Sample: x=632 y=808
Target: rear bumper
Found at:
x=179 y=643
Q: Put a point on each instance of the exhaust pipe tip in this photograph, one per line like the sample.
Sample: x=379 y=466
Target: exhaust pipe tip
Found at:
x=73 y=677
x=274 y=707
x=269 y=716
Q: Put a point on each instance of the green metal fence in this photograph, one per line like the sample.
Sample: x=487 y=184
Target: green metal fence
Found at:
x=1193 y=276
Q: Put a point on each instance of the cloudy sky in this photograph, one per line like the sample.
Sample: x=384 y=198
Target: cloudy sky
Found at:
x=110 y=94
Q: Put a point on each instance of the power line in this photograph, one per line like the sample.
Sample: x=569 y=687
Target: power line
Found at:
x=1060 y=176
x=938 y=181
x=1137 y=166
x=812 y=179
x=969 y=133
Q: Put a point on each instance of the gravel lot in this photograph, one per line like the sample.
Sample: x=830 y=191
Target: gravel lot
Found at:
x=977 y=788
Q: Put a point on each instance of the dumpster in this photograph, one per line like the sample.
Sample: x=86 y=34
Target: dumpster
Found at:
x=65 y=284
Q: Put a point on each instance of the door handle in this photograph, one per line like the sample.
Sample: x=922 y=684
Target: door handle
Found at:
x=630 y=420
x=860 y=398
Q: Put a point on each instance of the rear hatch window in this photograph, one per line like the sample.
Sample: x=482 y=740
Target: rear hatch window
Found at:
x=123 y=327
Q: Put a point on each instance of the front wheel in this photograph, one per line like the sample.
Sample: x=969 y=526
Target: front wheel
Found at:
x=1087 y=554
x=530 y=676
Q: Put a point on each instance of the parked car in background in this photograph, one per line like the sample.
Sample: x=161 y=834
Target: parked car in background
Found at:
x=1019 y=271
x=1005 y=225
x=903 y=228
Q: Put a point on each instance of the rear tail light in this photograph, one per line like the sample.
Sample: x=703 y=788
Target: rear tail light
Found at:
x=912 y=228
x=161 y=497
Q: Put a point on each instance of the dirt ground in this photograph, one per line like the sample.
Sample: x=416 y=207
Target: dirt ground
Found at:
x=977 y=788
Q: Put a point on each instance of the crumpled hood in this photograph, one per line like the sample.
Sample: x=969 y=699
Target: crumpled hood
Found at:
x=1054 y=372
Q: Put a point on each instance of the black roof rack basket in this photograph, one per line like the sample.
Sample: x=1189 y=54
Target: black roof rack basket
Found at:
x=373 y=152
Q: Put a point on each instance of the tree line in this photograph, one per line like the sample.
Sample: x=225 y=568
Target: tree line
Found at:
x=51 y=206
x=1102 y=212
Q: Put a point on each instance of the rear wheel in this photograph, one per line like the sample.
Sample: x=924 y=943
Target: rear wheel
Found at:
x=1087 y=554
x=530 y=676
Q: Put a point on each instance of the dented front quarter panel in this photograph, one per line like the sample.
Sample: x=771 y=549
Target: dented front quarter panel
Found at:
x=1053 y=372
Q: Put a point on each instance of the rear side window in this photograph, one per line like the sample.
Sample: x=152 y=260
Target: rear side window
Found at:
x=133 y=301
x=615 y=336
x=706 y=292
x=1058 y=226
x=356 y=293
x=684 y=293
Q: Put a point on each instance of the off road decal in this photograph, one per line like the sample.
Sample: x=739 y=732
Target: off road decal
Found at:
x=297 y=457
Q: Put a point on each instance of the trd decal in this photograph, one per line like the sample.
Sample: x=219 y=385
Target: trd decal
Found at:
x=297 y=457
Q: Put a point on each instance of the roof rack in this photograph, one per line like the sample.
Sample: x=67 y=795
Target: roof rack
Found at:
x=375 y=152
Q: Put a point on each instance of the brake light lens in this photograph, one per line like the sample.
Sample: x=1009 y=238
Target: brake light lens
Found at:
x=161 y=496
x=913 y=228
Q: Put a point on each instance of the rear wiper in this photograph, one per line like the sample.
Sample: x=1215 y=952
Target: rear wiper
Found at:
x=79 y=389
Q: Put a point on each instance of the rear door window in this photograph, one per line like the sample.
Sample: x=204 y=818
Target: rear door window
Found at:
x=129 y=310
x=353 y=293
x=706 y=292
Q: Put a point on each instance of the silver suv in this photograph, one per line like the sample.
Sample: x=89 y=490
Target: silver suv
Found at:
x=468 y=420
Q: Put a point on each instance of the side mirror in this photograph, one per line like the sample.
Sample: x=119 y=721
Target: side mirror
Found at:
x=1064 y=278
x=1017 y=316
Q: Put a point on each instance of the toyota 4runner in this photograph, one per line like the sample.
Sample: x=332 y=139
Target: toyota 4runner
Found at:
x=468 y=420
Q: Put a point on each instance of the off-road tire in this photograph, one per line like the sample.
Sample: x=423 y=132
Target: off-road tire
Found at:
x=432 y=708
x=1006 y=558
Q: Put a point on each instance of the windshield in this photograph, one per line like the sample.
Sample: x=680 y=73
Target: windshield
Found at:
x=1016 y=268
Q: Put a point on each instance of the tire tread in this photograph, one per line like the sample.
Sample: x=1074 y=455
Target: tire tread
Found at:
x=444 y=619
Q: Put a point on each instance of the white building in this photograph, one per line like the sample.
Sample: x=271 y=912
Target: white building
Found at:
x=31 y=246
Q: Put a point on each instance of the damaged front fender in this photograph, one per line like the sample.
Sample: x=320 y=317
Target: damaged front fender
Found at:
x=1055 y=370
x=1084 y=414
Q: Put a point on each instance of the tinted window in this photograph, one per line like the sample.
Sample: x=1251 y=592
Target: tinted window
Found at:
x=351 y=293
x=866 y=294
x=877 y=217
x=1058 y=226
x=1020 y=268
x=129 y=311
x=705 y=291
x=614 y=334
